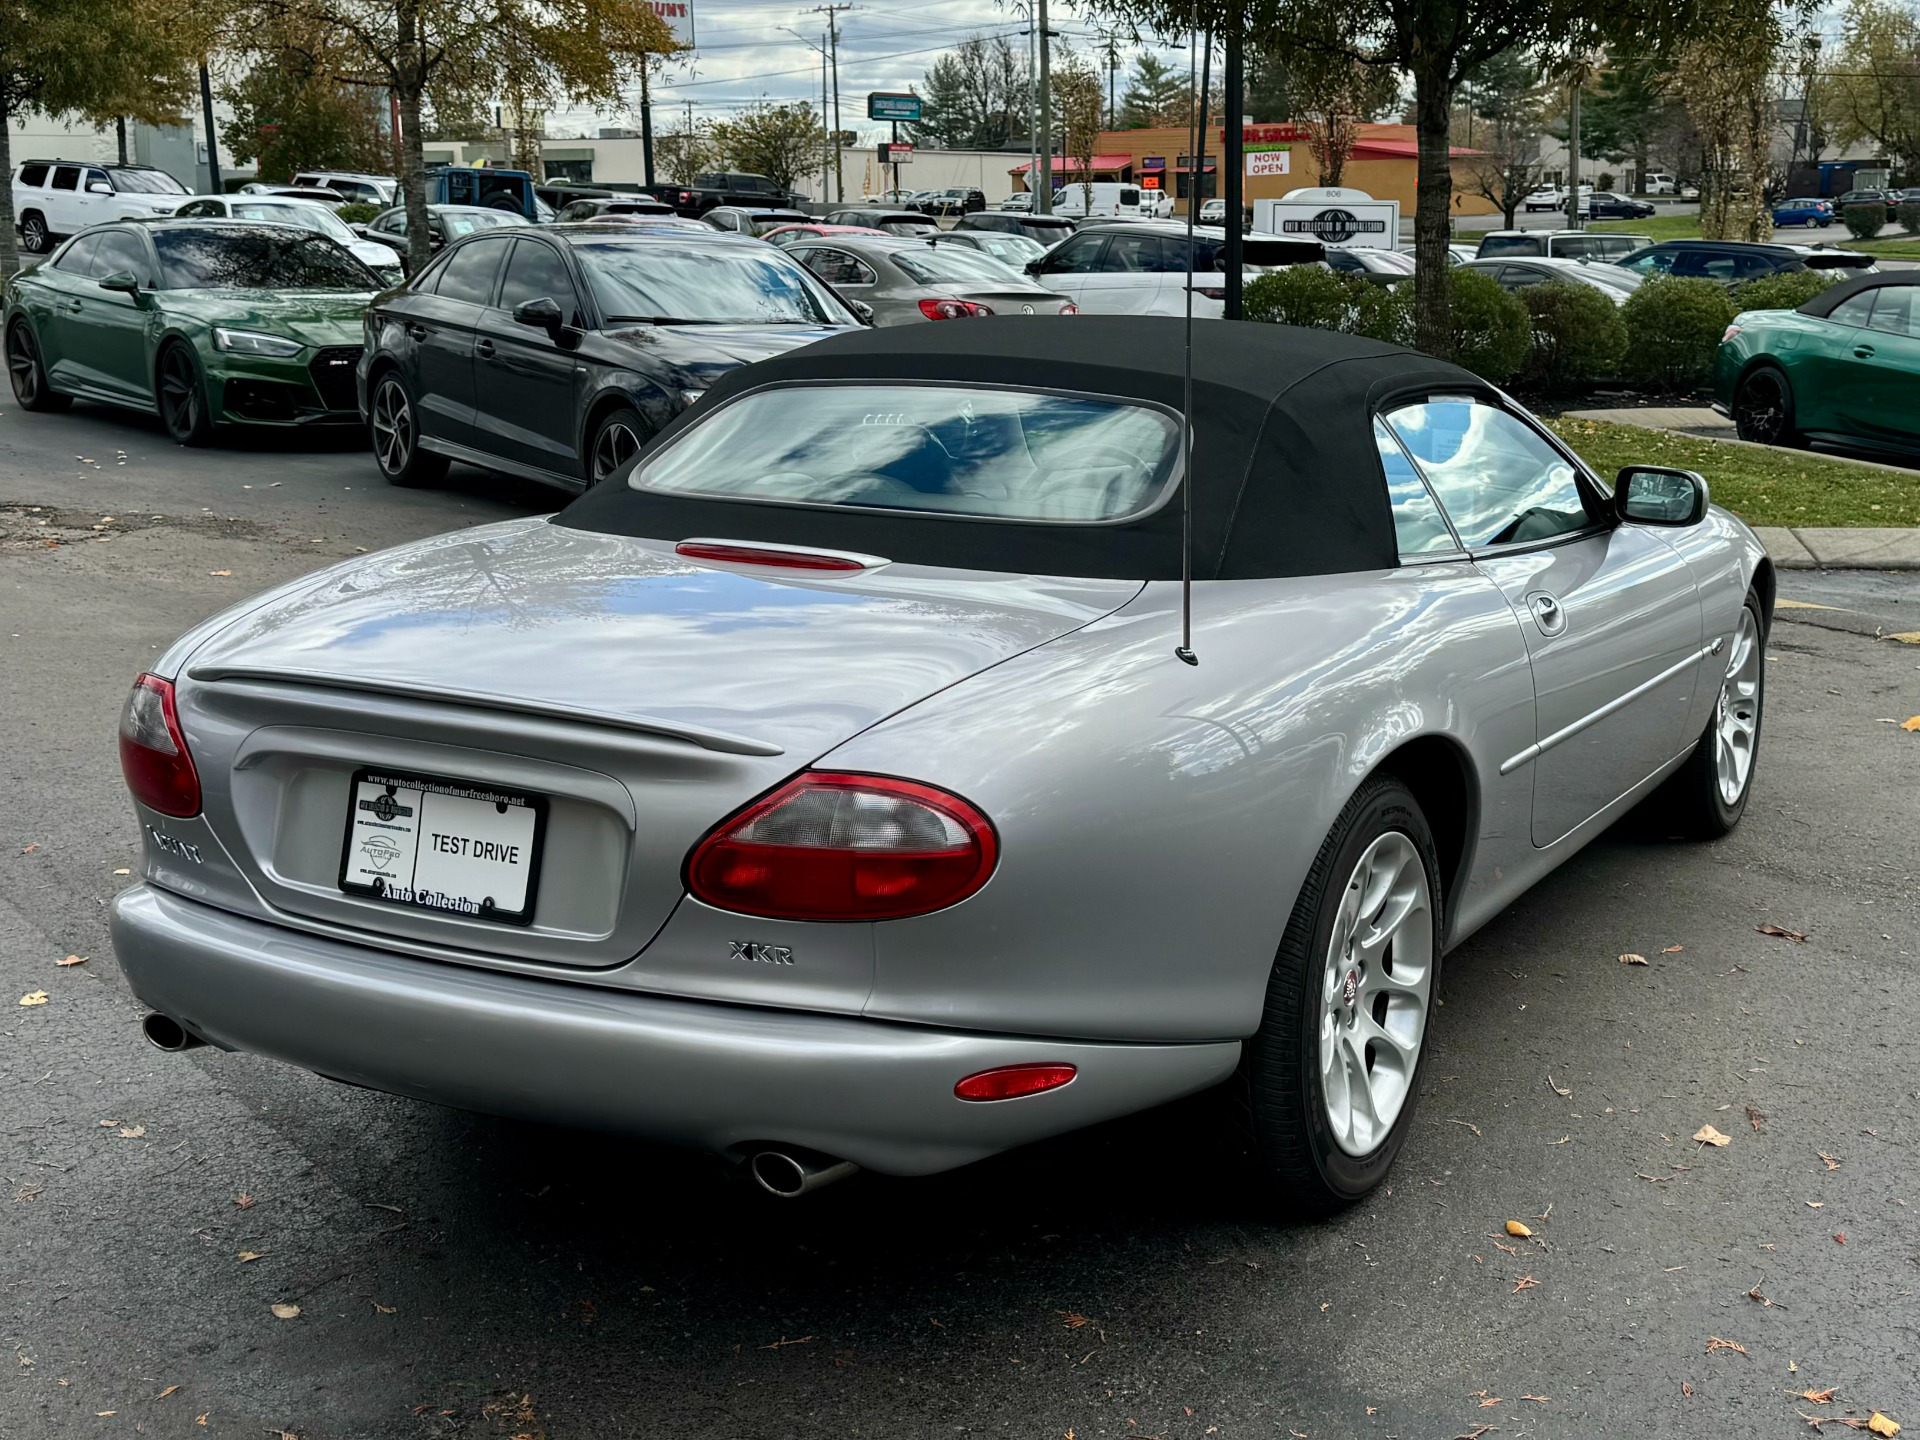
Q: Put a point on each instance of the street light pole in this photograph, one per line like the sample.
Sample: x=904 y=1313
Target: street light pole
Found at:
x=1043 y=197
x=213 y=144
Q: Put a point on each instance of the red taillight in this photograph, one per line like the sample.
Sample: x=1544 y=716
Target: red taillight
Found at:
x=1212 y=292
x=153 y=752
x=1010 y=1082
x=845 y=847
x=1069 y=309
x=953 y=309
x=769 y=555
x=1731 y=331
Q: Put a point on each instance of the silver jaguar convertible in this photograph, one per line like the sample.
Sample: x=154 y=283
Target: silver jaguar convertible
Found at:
x=931 y=744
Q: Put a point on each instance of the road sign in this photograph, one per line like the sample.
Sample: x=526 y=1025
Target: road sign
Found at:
x=898 y=153
x=891 y=105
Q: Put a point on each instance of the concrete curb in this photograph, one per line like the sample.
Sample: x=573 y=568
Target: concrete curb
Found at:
x=1795 y=548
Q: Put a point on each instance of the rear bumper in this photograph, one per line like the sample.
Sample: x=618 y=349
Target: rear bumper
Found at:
x=709 y=1076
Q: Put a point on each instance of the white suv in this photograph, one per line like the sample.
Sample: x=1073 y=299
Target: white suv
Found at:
x=380 y=190
x=53 y=199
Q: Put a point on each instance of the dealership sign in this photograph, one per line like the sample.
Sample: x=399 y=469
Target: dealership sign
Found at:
x=677 y=16
x=898 y=153
x=889 y=105
x=1333 y=216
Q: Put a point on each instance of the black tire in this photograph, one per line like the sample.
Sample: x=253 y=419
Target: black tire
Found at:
x=182 y=397
x=1700 y=801
x=35 y=238
x=1763 y=408
x=393 y=428
x=28 y=374
x=617 y=438
x=1282 y=1082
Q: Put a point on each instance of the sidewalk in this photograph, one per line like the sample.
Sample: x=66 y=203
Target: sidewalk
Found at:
x=1803 y=548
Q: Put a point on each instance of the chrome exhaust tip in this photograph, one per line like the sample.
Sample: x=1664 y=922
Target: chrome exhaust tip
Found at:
x=163 y=1032
x=789 y=1174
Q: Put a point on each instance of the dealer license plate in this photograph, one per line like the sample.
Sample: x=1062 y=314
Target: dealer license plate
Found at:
x=445 y=845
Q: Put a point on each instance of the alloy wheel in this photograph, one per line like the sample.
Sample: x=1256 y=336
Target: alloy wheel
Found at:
x=33 y=234
x=1375 y=991
x=1736 y=719
x=179 y=393
x=616 y=444
x=23 y=366
x=392 y=426
x=1761 y=411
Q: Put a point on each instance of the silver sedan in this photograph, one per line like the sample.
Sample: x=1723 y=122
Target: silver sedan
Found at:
x=1519 y=272
x=909 y=281
x=936 y=741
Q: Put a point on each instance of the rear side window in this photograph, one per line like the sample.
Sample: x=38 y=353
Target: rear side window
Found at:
x=1894 y=310
x=1417 y=523
x=1001 y=454
x=66 y=177
x=35 y=175
x=536 y=272
x=120 y=251
x=468 y=273
x=1856 y=310
x=77 y=258
x=1493 y=245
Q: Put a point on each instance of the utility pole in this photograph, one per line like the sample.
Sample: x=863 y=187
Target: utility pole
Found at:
x=1233 y=158
x=1113 y=66
x=1033 y=112
x=827 y=142
x=1043 y=197
x=1574 y=209
x=646 y=122
x=833 y=46
x=213 y=145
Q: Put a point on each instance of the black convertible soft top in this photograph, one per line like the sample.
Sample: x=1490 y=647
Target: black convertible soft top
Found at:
x=1286 y=477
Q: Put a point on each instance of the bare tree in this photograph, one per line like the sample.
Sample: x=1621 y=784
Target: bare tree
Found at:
x=1079 y=103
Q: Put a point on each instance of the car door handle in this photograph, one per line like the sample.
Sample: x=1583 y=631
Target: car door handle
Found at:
x=416 y=332
x=1863 y=352
x=75 y=306
x=1547 y=613
x=484 y=349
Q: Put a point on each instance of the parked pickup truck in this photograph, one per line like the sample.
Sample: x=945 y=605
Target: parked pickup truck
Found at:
x=725 y=188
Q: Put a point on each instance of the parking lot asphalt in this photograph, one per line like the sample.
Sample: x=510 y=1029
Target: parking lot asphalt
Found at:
x=456 y=1275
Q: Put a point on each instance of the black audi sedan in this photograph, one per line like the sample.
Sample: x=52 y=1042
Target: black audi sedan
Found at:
x=554 y=353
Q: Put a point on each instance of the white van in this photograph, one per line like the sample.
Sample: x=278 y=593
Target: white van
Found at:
x=1103 y=197
x=1658 y=184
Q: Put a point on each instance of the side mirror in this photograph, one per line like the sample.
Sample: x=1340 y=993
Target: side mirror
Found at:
x=544 y=312
x=863 y=310
x=125 y=281
x=1655 y=495
x=1036 y=267
x=99 y=187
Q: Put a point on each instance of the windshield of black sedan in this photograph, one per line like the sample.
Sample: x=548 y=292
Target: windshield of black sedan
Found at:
x=1005 y=454
x=257 y=260
x=708 y=284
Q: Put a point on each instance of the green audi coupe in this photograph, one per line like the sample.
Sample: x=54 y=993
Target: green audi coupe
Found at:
x=1843 y=367
x=207 y=323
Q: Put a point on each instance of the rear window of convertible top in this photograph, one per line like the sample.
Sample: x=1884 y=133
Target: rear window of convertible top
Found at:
x=932 y=449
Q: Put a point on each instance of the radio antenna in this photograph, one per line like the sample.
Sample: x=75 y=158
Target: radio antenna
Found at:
x=1196 y=167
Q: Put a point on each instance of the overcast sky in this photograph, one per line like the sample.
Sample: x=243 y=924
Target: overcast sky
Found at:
x=747 y=52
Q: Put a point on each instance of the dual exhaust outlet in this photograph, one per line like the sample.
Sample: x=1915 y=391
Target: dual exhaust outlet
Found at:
x=786 y=1174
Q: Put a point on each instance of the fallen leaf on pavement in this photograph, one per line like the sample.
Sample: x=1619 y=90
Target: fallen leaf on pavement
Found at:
x=1537 y=1399
x=171 y=1389
x=1832 y=1161
x=1781 y=932
x=286 y=1312
x=1686 y=1387
x=1816 y=1204
x=1515 y=1228
x=1840 y=1237
x=243 y=1201
x=247 y=1257
x=34 y=997
x=384 y=1309
x=132 y=1132
x=1491 y=1401
x=1073 y=1319
x=1633 y=959
x=1910 y=724
x=1707 y=1135
x=73 y=960
x=202 y=1419
x=1525 y=1282
x=1754 y=1117
x=219 y=572
x=123 y=872
x=1714 y=1343
x=1673 y=950
x=1755 y=1296
x=29 y=849
x=1817 y=1397
x=1881 y=1425
x=1559 y=1090
x=1510 y=1249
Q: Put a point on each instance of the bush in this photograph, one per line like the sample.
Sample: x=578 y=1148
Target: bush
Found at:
x=1783 y=290
x=1492 y=334
x=1578 y=335
x=1318 y=299
x=1673 y=329
x=1863 y=222
x=357 y=213
x=1606 y=180
x=1908 y=214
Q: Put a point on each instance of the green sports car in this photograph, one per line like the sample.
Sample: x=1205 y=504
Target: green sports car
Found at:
x=1843 y=367
x=208 y=323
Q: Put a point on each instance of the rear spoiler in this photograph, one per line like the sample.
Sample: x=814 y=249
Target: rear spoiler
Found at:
x=1273 y=250
x=1838 y=260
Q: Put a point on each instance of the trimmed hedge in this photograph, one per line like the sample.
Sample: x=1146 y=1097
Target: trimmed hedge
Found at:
x=1673 y=329
x=1863 y=222
x=1318 y=299
x=1578 y=335
x=1785 y=290
x=359 y=212
x=1907 y=212
x=1492 y=333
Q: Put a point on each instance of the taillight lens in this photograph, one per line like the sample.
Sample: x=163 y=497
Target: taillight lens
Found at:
x=1731 y=331
x=1009 y=1082
x=1069 y=309
x=153 y=752
x=953 y=309
x=845 y=847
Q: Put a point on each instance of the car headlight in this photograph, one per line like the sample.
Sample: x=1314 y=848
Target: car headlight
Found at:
x=252 y=342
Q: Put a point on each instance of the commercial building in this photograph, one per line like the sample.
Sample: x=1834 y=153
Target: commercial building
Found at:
x=1384 y=163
